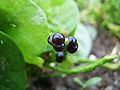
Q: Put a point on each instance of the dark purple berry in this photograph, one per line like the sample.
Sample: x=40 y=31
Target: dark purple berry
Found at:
x=72 y=46
x=58 y=39
x=59 y=56
x=59 y=48
x=72 y=39
x=50 y=40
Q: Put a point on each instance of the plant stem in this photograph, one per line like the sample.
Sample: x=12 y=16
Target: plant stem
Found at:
x=87 y=68
x=111 y=66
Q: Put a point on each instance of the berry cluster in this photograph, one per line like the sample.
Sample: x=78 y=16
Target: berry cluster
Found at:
x=58 y=42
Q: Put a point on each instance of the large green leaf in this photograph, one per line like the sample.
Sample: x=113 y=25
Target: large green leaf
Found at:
x=56 y=2
x=12 y=67
x=26 y=23
x=63 y=14
x=45 y=4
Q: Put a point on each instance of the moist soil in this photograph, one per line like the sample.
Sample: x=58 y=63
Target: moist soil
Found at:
x=103 y=45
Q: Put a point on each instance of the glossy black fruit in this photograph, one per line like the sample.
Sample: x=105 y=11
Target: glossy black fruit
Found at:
x=58 y=39
x=72 y=46
x=72 y=39
x=59 y=48
x=59 y=56
x=50 y=40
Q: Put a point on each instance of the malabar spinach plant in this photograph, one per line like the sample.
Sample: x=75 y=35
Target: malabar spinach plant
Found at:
x=25 y=26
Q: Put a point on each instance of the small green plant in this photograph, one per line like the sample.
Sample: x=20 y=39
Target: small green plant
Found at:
x=25 y=26
x=88 y=83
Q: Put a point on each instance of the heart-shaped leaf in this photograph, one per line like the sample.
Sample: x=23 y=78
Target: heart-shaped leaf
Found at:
x=26 y=23
x=12 y=67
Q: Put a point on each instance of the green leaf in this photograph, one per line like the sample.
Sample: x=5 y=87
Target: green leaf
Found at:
x=78 y=81
x=56 y=2
x=65 y=16
x=46 y=4
x=26 y=23
x=12 y=67
x=92 y=81
x=85 y=36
